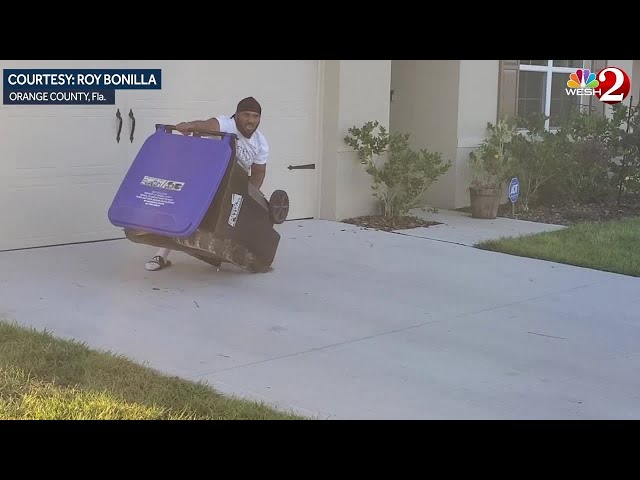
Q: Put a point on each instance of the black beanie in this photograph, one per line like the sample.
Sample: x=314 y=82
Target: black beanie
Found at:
x=249 y=104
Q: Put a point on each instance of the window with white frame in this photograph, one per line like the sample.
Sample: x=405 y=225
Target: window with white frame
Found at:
x=542 y=89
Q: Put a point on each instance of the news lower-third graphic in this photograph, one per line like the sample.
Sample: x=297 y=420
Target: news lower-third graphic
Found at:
x=74 y=86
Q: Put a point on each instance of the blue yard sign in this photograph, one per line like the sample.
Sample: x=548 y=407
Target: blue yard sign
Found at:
x=514 y=190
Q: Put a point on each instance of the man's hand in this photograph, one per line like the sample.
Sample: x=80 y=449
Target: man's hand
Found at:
x=184 y=128
x=257 y=174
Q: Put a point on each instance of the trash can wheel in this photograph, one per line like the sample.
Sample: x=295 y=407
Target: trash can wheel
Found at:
x=279 y=206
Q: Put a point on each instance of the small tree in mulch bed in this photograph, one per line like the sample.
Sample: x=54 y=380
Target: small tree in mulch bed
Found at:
x=400 y=174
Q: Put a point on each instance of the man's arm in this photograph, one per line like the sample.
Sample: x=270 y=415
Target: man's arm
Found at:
x=258 y=172
x=259 y=166
x=186 y=127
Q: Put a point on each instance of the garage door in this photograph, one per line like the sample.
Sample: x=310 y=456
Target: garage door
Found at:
x=61 y=165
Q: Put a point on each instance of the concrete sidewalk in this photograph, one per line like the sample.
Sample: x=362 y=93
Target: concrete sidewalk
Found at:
x=353 y=323
x=459 y=227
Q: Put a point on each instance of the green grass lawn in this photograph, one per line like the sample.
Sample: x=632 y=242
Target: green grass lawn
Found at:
x=43 y=377
x=609 y=246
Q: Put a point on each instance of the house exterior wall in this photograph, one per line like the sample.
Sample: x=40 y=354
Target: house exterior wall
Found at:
x=627 y=66
x=477 y=105
x=351 y=92
x=631 y=68
x=635 y=81
x=425 y=104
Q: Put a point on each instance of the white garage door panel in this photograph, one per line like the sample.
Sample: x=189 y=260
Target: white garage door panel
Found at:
x=44 y=222
x=59 y=173
x=60 y=166
x=300 y=184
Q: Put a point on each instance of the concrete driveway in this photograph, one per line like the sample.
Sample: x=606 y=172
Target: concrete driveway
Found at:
x=353 y=324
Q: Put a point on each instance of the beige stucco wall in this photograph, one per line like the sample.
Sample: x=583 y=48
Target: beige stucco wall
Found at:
x=633 y=70
x=626 y=65
x=352 y=92
x=329 y=100
x=425 y=104
x=635 y=81
x=445 y=105
x=478 y=105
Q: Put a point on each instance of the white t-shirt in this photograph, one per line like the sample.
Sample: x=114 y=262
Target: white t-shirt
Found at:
x=248 y=150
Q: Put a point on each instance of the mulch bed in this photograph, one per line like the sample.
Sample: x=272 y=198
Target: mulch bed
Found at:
x=568 y=214
x=379 y=222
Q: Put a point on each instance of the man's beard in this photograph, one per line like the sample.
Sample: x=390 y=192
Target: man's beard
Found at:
x=247 y=132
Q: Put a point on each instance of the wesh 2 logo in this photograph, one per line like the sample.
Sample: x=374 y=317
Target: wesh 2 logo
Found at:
x=611 y=85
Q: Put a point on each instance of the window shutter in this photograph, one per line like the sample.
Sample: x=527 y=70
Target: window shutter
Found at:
x=599 y=110
x=508 y=88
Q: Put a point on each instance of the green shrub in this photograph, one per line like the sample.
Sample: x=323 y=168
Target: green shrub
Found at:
x=626 y=172
x=587 y=159
x=491 y=162
x=401 y=179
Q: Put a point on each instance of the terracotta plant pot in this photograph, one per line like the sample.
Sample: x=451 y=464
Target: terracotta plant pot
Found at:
x=484 y=202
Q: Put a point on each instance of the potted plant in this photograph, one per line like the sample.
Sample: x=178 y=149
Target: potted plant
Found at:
x=490 y=167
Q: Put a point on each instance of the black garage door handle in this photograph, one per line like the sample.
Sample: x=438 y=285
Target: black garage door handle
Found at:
x=133 y=126
x=119 y=117
x=308 y=166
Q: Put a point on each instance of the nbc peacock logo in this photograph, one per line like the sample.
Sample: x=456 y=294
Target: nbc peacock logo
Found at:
x=583 y=82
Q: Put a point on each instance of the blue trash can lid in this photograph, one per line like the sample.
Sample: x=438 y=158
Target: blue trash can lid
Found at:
x=171 y=183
